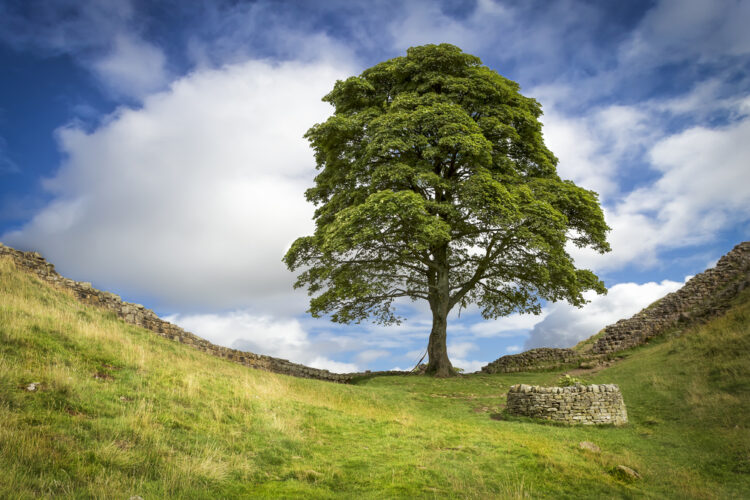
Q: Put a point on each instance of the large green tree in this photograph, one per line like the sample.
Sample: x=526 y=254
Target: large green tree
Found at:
x=435 y=184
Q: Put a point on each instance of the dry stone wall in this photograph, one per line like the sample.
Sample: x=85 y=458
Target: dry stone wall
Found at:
x=137 y=314
x=535 y=359
x=578 y=404
x=705 y=295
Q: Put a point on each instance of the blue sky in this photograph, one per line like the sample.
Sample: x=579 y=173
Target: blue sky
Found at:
x=155 y=149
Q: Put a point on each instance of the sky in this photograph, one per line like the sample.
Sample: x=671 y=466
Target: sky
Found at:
x=155 y=149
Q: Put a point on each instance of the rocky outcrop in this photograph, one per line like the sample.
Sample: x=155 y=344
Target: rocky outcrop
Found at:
x=706 y=295
x=544 y=358
x=137 y=314
x=578 y=404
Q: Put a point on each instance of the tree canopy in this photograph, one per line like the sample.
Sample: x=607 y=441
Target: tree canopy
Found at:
x=434 y=183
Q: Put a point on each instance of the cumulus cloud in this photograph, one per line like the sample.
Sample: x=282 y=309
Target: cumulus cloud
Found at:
x=592 y=146
x=133 y=68
x=468 y=365
x=264 y=335
x=460 y=349
x=63 y=26
x=193 y=198
x=702 y=189
x=190 y=201
x=509 y=326
x=701 y=29
x=369 y=355
x=458 y=352
x=426 y=22
x=566 y=325
x=101 y=36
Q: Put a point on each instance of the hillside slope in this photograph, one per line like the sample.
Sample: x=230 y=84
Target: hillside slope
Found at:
x=118 y=411
x=706 y=295
x=136 y=314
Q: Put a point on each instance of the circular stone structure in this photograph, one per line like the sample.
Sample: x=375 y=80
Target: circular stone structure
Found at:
x=578 y=404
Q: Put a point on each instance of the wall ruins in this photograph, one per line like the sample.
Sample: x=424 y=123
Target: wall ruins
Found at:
x=543 y=358
x=137 y=314
x=706 y=295
x=578 y=404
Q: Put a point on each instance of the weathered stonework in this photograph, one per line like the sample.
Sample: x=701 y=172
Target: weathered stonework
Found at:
x=138 y=315
x=706 y=295
x=544 y=358
x=578 y=404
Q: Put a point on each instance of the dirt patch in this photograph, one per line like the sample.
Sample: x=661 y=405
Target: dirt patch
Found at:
x=585 y=370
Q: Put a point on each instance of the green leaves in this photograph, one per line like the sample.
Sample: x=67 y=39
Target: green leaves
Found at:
x=435 y=184
x=391 y=219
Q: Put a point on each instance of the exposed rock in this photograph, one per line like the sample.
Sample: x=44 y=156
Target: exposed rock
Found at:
x=625 y=472
x=589 y=446
x=543 y=358
x=33 y=387
x=706 y=295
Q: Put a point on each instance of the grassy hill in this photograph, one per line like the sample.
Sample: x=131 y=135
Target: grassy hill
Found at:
x=120 y=411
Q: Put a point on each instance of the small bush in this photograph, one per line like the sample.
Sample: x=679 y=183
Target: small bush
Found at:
x=566 y=381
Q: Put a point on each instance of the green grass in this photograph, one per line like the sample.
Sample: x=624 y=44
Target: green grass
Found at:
x=586 y=345
x=124 y=412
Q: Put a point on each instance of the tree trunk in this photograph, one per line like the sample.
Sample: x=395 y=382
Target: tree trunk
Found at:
x=439 y=365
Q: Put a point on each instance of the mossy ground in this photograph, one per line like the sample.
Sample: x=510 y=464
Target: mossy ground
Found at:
x=124 y=412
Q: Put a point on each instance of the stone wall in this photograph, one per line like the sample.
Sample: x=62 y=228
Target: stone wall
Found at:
x=705 y=295
x=544 y=358
x=578 y=404
x=138 y=315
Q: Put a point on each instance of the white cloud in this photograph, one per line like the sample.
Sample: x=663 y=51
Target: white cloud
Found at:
x=698 y=29
x=133 y=68
x=512 y=349
x=64 y=26
x=194 y=198
x=460 y=349
x=703 y=188
x=468 y=366
x=566 y=325
x=593 y=146
x=704 y=100
x=535 y=41
x=332 y=366
x=508 y=326
x=424 y=22
x=263 y=335
x=370 y=355
x=102 y=36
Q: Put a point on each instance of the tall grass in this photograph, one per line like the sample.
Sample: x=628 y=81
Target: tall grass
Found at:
x=123 y=412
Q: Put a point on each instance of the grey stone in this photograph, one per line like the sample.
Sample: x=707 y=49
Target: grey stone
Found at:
x=589 y=446
x=626 y=472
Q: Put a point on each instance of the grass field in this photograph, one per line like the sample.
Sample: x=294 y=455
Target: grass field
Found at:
x=122 y=412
